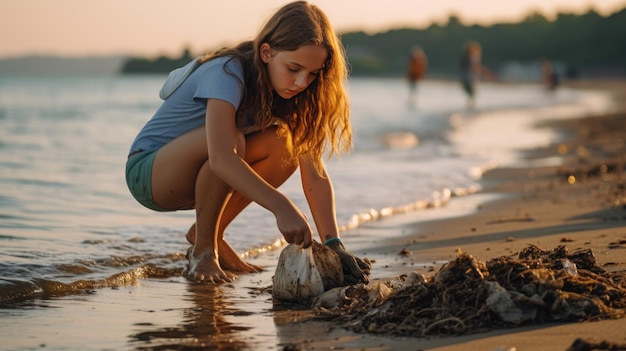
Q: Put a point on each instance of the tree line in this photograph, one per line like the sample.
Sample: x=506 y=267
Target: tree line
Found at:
x=586 y=45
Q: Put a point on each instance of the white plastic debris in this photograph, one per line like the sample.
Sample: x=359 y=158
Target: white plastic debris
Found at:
x=297 y=278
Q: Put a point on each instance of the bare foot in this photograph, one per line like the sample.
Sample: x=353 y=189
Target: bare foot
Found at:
x=205 y=268
x=229 y=259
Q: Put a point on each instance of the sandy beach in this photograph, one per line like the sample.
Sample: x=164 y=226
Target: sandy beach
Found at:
x=580 y=205
x=526 y=205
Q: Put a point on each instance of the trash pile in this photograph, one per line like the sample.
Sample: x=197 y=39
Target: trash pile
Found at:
x=468 y=296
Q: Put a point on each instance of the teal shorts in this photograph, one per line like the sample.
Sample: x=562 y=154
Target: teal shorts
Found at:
x=139 y=178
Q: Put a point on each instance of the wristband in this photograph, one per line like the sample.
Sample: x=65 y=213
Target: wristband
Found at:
x=332 y=240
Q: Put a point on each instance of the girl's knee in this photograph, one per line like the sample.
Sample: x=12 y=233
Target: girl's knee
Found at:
x=266 y=142
x=268 y=146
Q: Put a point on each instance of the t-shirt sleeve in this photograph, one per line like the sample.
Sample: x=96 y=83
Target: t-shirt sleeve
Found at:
x=222 y=80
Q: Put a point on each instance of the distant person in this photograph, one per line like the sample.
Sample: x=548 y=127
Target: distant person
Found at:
x=416 y=70
x=234 y=125
x=549 y=75
x=472 y=69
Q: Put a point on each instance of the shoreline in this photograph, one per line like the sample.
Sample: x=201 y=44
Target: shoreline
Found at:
x=529 y=204
x=517 y=207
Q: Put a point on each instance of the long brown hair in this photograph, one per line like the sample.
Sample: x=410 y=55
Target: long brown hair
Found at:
x=319 y=116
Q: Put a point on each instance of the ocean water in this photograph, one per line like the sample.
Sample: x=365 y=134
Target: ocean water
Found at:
x=68 y=222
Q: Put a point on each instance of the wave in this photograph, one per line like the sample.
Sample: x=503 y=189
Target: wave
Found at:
x=76 y=280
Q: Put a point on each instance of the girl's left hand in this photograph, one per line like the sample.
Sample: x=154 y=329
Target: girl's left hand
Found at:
x=355 y=269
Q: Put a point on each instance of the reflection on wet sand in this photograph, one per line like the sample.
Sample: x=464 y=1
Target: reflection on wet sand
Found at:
x=203 y=325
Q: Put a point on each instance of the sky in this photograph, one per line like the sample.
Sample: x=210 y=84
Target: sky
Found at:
x=78 y=28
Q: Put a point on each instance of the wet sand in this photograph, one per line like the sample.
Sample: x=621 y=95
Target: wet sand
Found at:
x=531 y=204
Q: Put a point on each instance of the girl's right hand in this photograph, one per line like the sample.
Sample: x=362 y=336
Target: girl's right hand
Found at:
x=294 y=226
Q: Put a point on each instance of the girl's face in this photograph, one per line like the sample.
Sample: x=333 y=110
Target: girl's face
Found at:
x=291 y=72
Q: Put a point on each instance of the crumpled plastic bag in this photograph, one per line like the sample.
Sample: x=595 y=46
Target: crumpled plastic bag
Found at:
x=303 y=274
x=502 y=302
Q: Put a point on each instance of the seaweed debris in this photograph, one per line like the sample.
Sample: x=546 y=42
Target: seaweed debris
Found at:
x=469 y=296
x=593 y=344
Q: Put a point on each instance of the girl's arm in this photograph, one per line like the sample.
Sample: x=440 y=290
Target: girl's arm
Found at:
x=321 y=199
x=223 y=139
x=319 y=193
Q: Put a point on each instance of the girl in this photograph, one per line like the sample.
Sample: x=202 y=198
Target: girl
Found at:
x=235 y=125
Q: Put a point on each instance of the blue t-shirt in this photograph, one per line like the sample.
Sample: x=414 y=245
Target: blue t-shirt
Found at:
x=186 y=92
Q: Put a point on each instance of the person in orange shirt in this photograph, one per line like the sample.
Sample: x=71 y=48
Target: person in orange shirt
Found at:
x=416 y=70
